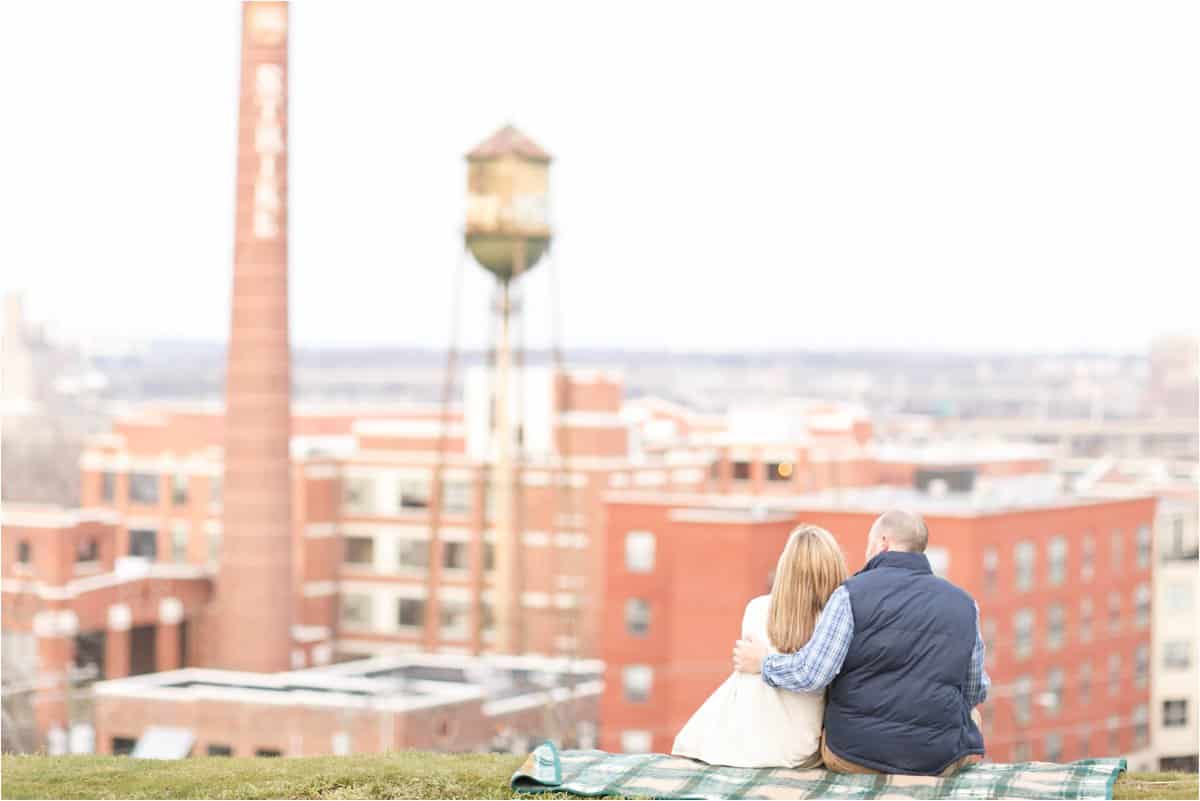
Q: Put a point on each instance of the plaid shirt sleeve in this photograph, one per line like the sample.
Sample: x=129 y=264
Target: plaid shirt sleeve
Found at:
x=816 y=664
x=978 y=682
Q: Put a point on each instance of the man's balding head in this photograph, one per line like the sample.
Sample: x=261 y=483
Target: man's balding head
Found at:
x=897 y=530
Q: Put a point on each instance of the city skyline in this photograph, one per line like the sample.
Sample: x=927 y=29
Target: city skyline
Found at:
x=1021 y=190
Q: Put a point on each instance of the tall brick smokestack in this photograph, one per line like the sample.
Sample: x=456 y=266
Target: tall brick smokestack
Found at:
x=254 y=586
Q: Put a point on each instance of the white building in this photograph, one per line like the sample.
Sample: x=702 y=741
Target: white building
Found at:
x=1175 y=695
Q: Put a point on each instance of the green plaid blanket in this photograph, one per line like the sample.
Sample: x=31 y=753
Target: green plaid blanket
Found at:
x=596 y=773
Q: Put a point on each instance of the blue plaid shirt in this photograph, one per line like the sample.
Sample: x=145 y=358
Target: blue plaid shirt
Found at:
x=815 y=665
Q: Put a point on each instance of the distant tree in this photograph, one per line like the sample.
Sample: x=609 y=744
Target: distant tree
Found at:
x=39 y=462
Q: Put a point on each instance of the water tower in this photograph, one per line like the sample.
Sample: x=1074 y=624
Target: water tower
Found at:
x=507 y=232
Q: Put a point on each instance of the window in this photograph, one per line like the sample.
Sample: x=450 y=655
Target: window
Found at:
x=1054 y=690
x=1183 y=764
x=266 y=752
x=635 y=741
x=1087 y=559
x=1114 y=674
x=456 y=496
x=412 y=492
x=179 y=542
x=1175 y=713
x=1054 y=627
x=144 y=543
x=636 y=679
x=1177 y=534
x=1024 y=555
x=1022 y=692
x=1021 y=751
x=1141 y=606
x=216 y=491
x=455 y=556
x=639 y=552
x=412 y=554
x=1177 y=655
x=1141 y=726
x=1118 y=551
x=1085 y=684
x=714 y=471
x=359 y=551
x=1141 y=665
x=358 y=495
x=123 y=746
x=1179 y=597
x=215 y=750
x=991 y=561
x=179 y=489
x=455 y=618
x=143 y=489
x=1023 y=633
x=1114 y=735
x=1114 y=613
x=489 y=557
x=1144 y=546
x=1053 y=751
x=939 y=560
x=214 y=544
x=779 y=471
x=487 y=619
x=741 y=471
x=1057 y=557
x=1085 y=620
x=87 y=550
x=108 y=486
x=637 y=617
x=410 y=613
x=24 y=552
x=356 y=611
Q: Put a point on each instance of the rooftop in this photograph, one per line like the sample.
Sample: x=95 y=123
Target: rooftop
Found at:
x=394 y=683
x=989 y=496
x=508 y=141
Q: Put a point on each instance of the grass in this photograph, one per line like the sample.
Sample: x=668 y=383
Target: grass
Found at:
x=406 y=774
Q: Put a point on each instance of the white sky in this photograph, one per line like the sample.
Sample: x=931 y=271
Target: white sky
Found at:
x=1019 y=175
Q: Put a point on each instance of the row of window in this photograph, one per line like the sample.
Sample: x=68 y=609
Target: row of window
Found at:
x=144 y=488
x=1057 y=557
x=358 y=611
x=362 y=495
x=413 y=554
x=1024 y=622
x=1054 y=742
x=740 y=470
x=123 y=746
x=143 y=542
x=1054 y=688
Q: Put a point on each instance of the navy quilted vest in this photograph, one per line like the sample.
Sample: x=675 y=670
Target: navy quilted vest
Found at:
x=898 y=706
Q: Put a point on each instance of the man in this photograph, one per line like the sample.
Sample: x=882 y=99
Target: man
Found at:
x=900 y=651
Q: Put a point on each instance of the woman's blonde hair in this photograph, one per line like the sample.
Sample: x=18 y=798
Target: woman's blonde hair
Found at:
x=810 y=568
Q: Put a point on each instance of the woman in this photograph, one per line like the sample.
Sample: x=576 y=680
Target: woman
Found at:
x=745 y=723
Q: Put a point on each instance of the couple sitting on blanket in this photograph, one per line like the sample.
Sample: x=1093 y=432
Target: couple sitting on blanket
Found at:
x=876 y=673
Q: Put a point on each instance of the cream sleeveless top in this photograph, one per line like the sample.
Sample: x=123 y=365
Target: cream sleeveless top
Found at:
x=747 y=724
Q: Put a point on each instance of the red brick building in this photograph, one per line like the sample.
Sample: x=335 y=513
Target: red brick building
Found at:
x=1063 y=585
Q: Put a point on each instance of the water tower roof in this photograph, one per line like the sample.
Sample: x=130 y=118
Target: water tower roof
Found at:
x=508 y=141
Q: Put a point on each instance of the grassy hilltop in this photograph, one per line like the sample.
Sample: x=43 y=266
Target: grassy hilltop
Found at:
x=407 y=774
